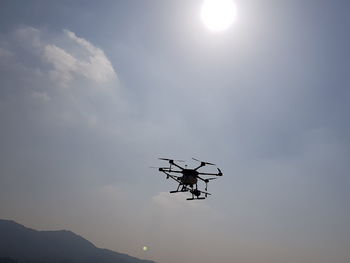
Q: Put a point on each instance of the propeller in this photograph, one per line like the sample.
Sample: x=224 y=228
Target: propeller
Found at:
x=155 y=167
x=204 y=163
x=166 y=159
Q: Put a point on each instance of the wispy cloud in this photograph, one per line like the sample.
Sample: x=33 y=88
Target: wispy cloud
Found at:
x=96 y=65
x=66 y=55
x=38 y=63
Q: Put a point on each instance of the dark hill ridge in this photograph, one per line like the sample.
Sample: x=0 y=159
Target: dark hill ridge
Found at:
x=28 y=245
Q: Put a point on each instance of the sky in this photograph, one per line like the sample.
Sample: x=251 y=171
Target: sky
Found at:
x=92 y=93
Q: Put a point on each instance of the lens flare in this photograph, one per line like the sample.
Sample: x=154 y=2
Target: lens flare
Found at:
x=218 y=15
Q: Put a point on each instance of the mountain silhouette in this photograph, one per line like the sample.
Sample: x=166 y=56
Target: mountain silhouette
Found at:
x=21 y=244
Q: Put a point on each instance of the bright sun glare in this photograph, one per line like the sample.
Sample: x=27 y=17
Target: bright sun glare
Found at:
x=218 y=15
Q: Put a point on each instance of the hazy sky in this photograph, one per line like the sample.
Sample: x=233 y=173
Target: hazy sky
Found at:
x=93 y=92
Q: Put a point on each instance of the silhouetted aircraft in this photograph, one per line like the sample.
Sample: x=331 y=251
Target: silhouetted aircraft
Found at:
x=188 y=181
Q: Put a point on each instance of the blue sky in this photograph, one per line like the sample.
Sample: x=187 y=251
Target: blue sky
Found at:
x=91 y=94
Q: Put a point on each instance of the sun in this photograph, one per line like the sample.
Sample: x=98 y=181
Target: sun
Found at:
x=218 y=15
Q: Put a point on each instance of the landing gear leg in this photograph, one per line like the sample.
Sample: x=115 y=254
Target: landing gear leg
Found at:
x=177 y=190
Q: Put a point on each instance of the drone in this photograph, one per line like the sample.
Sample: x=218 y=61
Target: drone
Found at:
x=188 y=180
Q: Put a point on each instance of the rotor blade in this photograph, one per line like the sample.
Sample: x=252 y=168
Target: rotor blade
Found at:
x=168 y=170
x=203 y=162
x=166 y=159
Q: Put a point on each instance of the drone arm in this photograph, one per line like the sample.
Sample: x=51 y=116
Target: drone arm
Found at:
x=173 y=163
x=210 y=174
x=167 y=170
x=200 y=178
x=201 y=165
x=218 y=174
x=206 y=181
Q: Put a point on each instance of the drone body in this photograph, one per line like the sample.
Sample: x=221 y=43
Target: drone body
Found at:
x=188 y=180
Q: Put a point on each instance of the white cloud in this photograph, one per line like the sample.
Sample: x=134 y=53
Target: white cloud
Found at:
x=68 y=55
x=96 y=66
x=64 y=63
x=93 y=66
x=36 y=63
x=28 y=35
